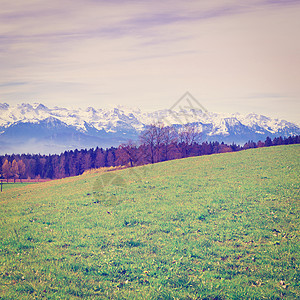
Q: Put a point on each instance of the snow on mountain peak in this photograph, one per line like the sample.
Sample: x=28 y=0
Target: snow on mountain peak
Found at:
x=4 y=106
x=39 y=106
x=122 y=117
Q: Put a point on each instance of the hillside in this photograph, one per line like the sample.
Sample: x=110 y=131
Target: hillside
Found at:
x=224 y=226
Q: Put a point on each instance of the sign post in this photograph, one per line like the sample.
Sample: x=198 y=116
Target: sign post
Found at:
x=1 y=179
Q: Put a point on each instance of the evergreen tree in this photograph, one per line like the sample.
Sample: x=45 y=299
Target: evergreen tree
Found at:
x=110 y=158
x=268 y=142
x=72 y=165
x=21 y=167
x=87 y=161
x=100 y=158
x=49 y=168
x=61 y=167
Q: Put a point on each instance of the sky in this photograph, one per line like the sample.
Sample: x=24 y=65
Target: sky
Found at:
x=232 y=56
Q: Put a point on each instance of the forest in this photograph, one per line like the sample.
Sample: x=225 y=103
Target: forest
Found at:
x=156 y=144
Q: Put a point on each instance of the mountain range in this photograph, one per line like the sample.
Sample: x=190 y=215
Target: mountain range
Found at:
x=35 y=128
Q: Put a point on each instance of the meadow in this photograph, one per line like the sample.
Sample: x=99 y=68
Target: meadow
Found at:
x=224 y=226
x=7 y=186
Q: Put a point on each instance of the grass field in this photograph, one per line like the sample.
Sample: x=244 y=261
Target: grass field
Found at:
x=10 y=185
x=224 y=226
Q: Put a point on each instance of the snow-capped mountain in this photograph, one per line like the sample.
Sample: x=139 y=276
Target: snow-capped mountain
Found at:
x=39 y=129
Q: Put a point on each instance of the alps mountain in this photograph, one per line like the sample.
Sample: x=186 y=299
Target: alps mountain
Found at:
x=26 y=128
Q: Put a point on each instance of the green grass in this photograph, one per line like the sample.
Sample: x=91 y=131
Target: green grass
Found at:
x=224 y=226
x=10 y=185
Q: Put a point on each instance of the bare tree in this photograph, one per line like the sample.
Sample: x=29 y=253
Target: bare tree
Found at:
x=159 y=141
x=148 y=139
x=15 y=170
x=169 y=139
x=155 y=138
x=21 y=167
x=188 y=135
x=126 y=153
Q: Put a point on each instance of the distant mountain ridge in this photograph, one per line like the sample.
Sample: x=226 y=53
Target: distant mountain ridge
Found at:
x=27 y=128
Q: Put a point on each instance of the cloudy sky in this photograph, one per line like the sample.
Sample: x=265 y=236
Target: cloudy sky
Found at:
x=235 y=55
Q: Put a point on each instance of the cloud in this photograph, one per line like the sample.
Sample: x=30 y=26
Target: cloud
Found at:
x=7 y=84
x=281 y=2
x=140 y=52
x=79 y=18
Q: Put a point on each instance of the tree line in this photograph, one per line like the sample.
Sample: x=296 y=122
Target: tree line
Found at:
x=157 y=143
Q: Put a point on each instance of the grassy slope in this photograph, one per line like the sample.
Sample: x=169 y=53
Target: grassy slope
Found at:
x=224 y=226
x=11 y=185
